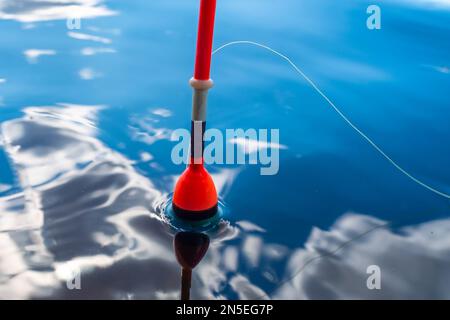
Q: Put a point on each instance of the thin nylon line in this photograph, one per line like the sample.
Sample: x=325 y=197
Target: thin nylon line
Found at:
x=324 y=255
x=362 y=134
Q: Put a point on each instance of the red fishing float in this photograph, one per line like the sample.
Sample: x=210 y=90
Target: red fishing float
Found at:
x=195 y=196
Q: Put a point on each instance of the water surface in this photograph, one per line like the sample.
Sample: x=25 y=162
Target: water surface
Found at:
x=86 y=118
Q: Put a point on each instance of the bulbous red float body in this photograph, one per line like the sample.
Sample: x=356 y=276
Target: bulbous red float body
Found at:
x=195 y=195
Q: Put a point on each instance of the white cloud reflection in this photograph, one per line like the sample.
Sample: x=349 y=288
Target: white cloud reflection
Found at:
x=427 y=4
x=88 y=37
x=440 y=69
x=83 y=205
x=332 y=264
x=413 y=262
x=45 y=10
x=162 y=112
x=144 y=130
x=89 y=74
x=33 y=55
x=57 y=157
x=90 y=51
x=249 y=146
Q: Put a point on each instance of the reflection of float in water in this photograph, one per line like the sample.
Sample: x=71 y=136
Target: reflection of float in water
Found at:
x=190 y=248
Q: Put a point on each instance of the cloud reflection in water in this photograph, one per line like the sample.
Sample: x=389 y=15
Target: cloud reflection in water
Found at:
x=46 y=10
x=84 y=206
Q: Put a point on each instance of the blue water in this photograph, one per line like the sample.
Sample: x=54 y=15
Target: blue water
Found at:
x=85 y=158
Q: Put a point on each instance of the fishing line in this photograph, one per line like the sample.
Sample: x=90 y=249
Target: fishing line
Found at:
x=335 y=108
x=329 y=254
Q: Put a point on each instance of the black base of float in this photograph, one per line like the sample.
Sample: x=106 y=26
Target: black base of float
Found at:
x=194 y=215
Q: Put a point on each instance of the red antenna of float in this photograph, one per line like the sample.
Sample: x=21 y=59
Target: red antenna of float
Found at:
x=195 y=196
